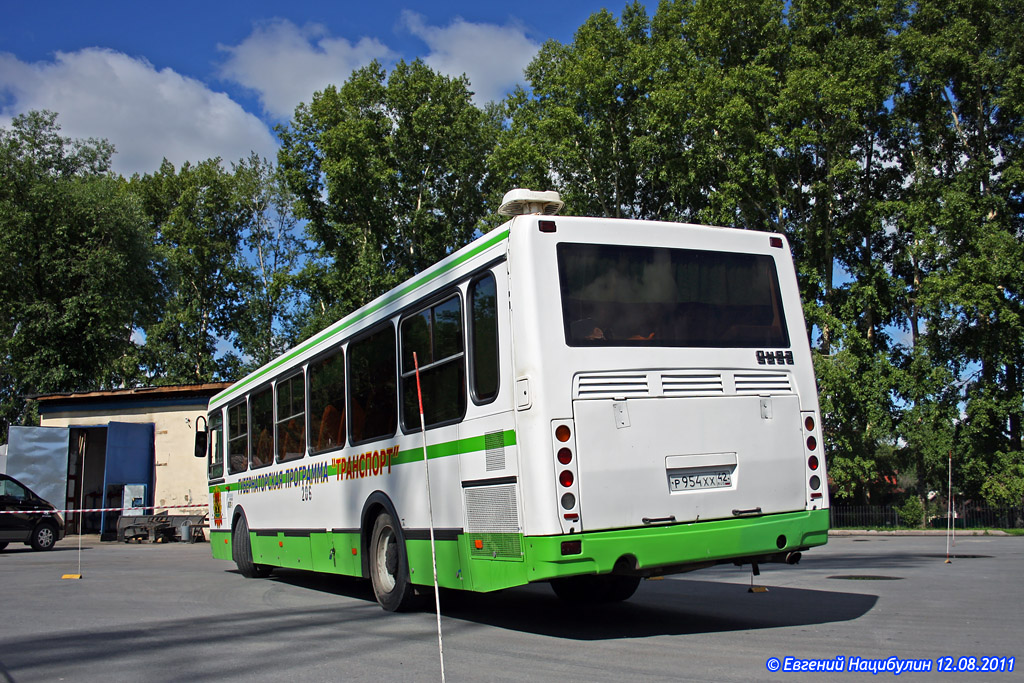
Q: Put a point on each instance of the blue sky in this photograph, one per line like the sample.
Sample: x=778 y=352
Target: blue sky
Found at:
x=191 y=80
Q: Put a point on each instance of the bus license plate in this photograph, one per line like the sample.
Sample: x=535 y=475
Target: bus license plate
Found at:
x=714 y=479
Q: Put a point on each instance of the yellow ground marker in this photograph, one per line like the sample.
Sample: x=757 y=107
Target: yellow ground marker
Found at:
x=71 y=576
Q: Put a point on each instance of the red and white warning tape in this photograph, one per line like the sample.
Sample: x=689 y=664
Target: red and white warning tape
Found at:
x=138 y=507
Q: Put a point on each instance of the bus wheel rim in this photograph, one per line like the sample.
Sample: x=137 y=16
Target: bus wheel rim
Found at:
x=385 y=551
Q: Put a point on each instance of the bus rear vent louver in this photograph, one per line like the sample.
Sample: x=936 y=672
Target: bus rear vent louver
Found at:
x=762 y=383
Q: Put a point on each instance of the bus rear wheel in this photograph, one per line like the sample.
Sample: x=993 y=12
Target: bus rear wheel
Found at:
x=241 y=551
x=389 y=566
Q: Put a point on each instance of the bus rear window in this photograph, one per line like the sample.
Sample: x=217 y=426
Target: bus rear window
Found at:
x=614 y=295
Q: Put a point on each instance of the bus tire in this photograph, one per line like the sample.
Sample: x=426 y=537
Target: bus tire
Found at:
x=389 y=565
x=241 y=551
x=621 y=587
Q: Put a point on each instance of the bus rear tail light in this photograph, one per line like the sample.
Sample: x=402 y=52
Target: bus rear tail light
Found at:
x=563 y=442
x=815 y=463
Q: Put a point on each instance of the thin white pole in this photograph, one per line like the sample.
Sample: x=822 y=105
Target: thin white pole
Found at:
x=430 y=515
x=950 y=526
x=83 y=444
x=952 y=500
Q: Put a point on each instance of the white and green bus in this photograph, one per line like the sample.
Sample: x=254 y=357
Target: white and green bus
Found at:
x=605 y=400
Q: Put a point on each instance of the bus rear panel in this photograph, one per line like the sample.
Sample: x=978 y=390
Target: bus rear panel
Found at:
x=667 y=411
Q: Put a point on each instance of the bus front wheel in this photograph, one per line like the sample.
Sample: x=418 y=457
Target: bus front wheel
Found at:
x=241 y=550
x=389 y=566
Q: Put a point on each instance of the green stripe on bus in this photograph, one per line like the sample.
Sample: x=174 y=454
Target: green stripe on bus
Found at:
x=443 y=450
x=414 y=284
x=471 y=444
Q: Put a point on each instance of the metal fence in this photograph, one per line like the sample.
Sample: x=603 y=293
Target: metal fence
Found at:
x=863 y=516
x=967 y=517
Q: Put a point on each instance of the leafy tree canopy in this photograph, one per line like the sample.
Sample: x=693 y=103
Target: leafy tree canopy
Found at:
x=72 y=234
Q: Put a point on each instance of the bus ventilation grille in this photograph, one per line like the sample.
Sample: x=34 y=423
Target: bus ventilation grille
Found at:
x=612 y=386
x=505 y=546
x=692 y=384
x=493 y=518
x=763 y=383
x=494 y=445
x=658 y=384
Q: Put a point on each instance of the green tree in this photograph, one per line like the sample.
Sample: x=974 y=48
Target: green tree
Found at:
x=389 y=172
x=961 y=113
x=581 y=131
x=711 y=119
x=197 y=217
x=265 y=323
x=834 y=123
x=75 y=284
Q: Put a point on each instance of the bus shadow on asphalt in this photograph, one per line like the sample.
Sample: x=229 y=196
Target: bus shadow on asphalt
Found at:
x=659 y=608
x=335 y=584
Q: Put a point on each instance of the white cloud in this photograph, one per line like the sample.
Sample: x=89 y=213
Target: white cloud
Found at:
x=492 y=57
x=147 y=114
x=286 y=64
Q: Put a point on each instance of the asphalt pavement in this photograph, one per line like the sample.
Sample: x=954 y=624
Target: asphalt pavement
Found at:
x=169 y=612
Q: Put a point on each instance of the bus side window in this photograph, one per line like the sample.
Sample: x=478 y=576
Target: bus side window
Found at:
x=238 y=438
x=435 y=335
x=483 y=338
x=372 y=383
x=291 y=418
x=262 y=405
x=216 y=445
x=327 y=402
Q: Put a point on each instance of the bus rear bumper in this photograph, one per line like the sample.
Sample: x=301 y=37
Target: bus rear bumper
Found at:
x=654 y=551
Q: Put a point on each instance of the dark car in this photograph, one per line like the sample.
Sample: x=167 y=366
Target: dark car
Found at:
x=20 y=520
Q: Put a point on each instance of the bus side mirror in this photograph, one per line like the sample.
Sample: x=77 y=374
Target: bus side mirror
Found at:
x=201 y=437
